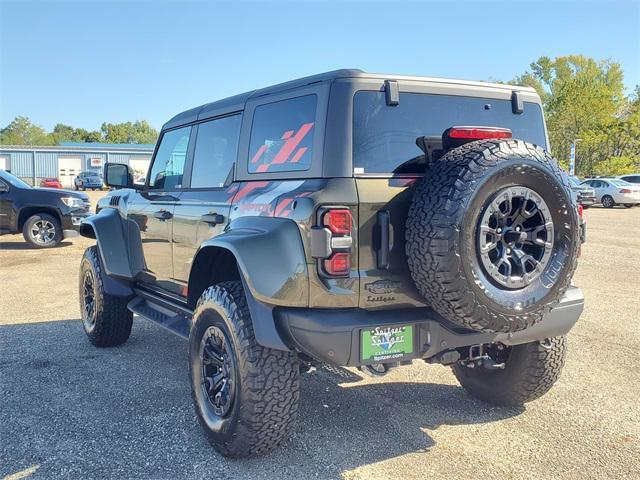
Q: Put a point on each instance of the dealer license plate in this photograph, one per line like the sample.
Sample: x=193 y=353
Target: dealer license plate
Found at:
x=381 y=344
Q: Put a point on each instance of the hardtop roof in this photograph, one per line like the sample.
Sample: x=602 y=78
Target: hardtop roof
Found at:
x=239 y=100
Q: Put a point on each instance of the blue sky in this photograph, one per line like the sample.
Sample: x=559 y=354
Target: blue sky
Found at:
x=82 y=63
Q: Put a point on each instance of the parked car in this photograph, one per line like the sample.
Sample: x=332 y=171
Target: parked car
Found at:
x=348 y=218
x=85 y=180
x=50 y=183
x=45 y=216
x=612 y=191
x=632 y=178
x=585 y=194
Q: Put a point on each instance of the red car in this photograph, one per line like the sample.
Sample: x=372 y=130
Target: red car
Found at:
x=50 y=183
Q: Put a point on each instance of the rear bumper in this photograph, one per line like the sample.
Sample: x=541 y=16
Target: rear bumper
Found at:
x=626 y=199
x=333 y=335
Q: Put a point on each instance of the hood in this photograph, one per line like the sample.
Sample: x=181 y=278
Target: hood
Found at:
x=61 y=192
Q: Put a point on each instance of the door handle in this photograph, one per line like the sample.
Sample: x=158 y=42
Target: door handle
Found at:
x=212 y=218
x=163 y=215
x=383 y=249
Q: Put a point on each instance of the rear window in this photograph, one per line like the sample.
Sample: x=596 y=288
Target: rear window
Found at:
x=384 y=137
x=282 y=135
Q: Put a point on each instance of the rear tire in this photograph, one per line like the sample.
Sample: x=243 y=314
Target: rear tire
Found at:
x=608 y=202
x=245 y=395
x=530 y=371
x=42 y=230
x=628 y=205
x=105 y=318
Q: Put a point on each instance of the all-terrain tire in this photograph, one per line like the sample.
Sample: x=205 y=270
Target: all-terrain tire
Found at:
x=530 y=371
x=44 y=219
x=108 y=322
x=443 y=232
x=267 y=382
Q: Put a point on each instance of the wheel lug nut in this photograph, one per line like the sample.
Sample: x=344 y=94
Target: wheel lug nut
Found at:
x=517 y=229
x=508 y=250
x=499 y=230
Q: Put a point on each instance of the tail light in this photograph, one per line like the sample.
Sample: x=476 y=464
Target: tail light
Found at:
x=338 y=265
x=331 y=241
x=580 y=210
x=338 y=220
x=626 y=190
x=456 y=136
x=477 y=133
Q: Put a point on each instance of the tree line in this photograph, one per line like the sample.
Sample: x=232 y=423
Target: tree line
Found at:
x=584 y=101
x=21 y=131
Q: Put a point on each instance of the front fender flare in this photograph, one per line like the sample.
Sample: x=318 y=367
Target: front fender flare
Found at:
x=106 y=227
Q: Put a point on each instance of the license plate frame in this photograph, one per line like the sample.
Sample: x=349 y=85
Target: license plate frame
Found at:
x=389 y=343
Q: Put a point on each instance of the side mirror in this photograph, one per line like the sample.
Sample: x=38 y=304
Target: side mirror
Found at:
x=118 y=175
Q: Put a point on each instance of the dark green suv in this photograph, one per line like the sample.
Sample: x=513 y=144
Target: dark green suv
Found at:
x=347 y=218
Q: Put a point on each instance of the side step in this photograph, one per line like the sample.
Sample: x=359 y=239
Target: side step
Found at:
x=172 y=317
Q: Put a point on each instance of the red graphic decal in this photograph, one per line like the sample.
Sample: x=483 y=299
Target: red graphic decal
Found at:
x=291 y=144
x=263 y=168
x=287 y=134
x=259 y=153
x=248 y=188
x=282 y=205
x=298 y=155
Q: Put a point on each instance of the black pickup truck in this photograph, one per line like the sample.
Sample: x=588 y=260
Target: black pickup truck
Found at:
x=45 y=216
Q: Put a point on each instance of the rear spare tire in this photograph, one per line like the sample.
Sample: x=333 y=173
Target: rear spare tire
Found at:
x=493 y=235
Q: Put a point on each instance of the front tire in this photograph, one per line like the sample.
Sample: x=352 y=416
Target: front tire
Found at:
x=530 y=371
x=105 y=318
x=245 y=395
x=42 y=230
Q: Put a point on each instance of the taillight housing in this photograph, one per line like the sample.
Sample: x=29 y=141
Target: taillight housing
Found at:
x=331 y=241
x=338 y=220
x=580 y=210
x=626 y=190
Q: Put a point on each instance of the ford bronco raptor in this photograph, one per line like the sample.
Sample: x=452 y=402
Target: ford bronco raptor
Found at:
x=346 y=218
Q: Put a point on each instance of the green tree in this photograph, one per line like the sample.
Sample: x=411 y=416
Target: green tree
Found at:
x=129 y=132
x=583 y=98
x=21 y=131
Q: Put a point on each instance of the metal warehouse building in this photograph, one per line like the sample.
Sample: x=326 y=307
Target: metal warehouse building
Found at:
x=66 y=160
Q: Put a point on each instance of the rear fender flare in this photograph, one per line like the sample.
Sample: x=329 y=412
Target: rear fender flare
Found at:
x=272 y=266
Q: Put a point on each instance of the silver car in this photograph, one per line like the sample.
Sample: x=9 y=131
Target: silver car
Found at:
x=613 y=191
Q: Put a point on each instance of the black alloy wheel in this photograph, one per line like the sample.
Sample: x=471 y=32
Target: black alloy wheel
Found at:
x=218 y=378
x=88 y=301
x=515 y=238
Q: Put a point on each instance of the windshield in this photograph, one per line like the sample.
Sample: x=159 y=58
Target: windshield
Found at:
x=384 y=137
x=13 y=180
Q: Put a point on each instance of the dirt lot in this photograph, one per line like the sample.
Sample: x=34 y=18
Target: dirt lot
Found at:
x=68 y=409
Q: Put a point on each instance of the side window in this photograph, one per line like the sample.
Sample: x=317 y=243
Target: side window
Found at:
x=215 y=152
x=168 y=165
x=282 y=135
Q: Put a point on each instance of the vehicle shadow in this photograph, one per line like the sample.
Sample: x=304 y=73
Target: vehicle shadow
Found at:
x=27 y=246
x=72 y=410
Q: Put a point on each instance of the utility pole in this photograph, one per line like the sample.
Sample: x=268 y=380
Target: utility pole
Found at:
x=572 y=157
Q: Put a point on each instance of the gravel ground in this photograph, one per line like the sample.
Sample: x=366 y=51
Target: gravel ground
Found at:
x=71 y=410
